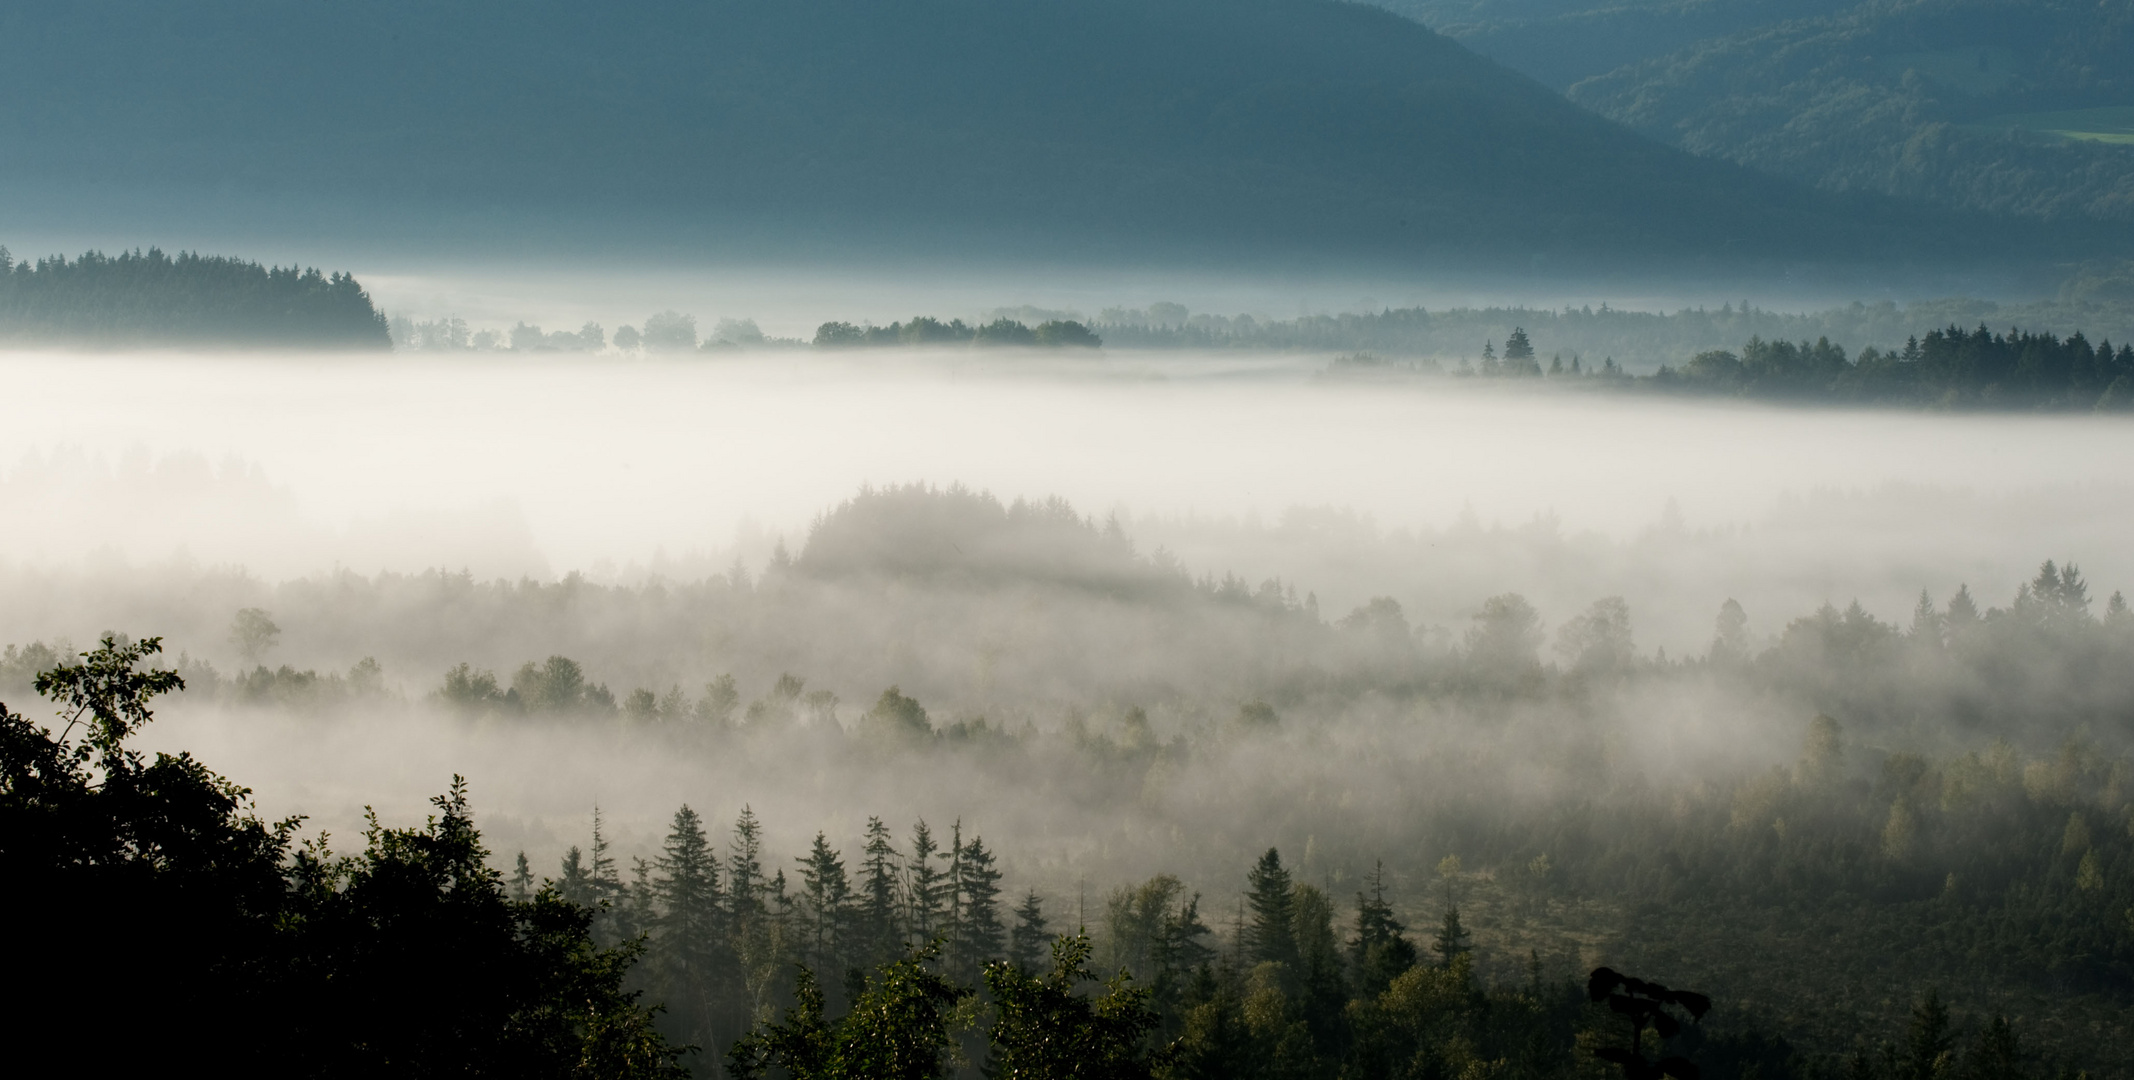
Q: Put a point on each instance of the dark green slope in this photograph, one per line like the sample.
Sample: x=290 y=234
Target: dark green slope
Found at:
x=2023 y=108
x=1188 y=128
x=1561 y=42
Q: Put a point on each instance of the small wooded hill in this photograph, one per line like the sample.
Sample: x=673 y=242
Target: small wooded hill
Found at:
x=157 y=300
x=1031 y=128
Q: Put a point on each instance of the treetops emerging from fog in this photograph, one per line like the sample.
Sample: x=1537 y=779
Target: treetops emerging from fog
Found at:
x=147 y=300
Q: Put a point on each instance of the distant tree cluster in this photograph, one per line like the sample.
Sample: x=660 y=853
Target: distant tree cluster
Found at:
x=663 y=332
x=154 y=299
x=925 y=330
x=1946 y=368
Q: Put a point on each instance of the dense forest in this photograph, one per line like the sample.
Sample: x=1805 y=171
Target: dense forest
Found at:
x=1931 y=857
x=152 y=300
x=293 y=960
x=1561 y=42
x=2010 y=106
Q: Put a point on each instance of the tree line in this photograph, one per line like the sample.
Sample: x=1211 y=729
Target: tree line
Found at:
x=925 y=330
x=1948 y=368
x=415 y=955
x=138 y=300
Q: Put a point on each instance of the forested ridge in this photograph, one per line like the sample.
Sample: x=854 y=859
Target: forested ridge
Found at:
x=937 y=127
x=1462 y=827
x=155 y=300
x=1965 y=103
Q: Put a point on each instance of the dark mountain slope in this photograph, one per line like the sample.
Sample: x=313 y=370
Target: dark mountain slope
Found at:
x=1561 y=42
x=2014 y=107
x=1193 y=128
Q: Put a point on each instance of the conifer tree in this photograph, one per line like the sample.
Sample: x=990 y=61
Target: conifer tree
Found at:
x=1316 y=979
x=1271 y=936
x=574 y=882
x=924 y=914
x=1451 y=938
x=824 y=901
x=1028 y=941
x=1379 y=952
x=880 y=899
x=978 y=889
x=744 y=866
x=522 y=881
x=686 y=957
x=952 y=896
x=605 y=885
x=1179 y=948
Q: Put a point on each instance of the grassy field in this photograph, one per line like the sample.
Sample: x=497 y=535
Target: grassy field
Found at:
x=2107 y=125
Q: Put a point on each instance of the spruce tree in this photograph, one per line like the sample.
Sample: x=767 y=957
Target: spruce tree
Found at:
x=880 y=900
x=1028 y=942
x=1271 y=936
x=605 y=883
x=744 y=866
x=923 y=917
x=686 y=953
x=1378 y=953
x=522 y=881
x=574 y=882
x=1451 y=938
x=978 y=887
x=1316 y=981
x=824 y=900
x=952 y=895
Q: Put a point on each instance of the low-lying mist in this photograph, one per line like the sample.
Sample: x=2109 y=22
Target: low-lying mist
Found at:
x=1121 y=616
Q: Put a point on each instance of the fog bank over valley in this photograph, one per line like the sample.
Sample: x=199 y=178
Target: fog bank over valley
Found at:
x=651 y=521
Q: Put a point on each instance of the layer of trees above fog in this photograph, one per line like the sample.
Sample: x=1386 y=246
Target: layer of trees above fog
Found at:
x=150 y=300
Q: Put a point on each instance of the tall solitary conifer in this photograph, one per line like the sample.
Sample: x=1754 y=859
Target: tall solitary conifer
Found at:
x=824 y=900
x=978 y=886
x=1028 y=942
x=879 y=917
x=1379 y=953
x=923 y=917
x=1270 y=935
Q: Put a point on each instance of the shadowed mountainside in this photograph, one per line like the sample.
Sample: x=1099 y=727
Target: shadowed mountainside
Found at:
x=1081 y=128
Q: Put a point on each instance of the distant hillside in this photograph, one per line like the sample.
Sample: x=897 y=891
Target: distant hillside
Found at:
x=1561 y=42
x=1040 y=128
x=2016 y=107
x=155 y=300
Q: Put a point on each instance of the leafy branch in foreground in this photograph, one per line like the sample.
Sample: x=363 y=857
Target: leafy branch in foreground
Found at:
x=405 y=959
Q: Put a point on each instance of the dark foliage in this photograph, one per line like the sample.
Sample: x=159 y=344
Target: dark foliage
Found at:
x=1955 y=102
x=153 y=876
x=155 y=300
x=1947 y=368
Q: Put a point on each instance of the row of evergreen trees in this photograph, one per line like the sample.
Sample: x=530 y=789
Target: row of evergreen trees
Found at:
x=926 y=330
x=153 y=299
x=1950 y=368
x=725 y=928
